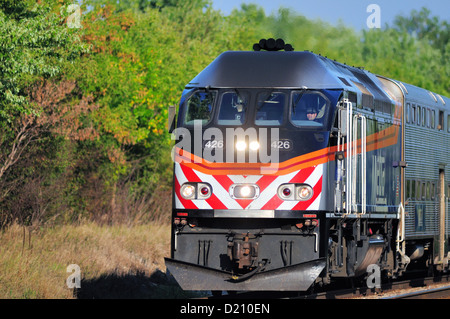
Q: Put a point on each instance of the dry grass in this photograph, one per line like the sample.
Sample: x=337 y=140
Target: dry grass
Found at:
x=116 y=261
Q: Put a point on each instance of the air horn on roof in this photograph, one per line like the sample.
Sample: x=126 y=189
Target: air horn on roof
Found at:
x=272 y=45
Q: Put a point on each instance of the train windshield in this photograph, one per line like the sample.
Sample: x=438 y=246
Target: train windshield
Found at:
x=270 y=108
x=309 y=109
x=233 y=108
x=199 y=106
x=261 y=107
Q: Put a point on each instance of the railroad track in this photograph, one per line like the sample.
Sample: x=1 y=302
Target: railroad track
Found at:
x=424 y=288
x=427 y=293
x=418 y=288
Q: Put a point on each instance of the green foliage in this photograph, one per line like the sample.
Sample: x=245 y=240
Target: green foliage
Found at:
x=421 y=26
x=415 y=50
x=34 y=44
x=388 y=52
x=142 y=62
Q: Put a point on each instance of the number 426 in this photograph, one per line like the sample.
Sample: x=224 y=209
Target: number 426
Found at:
x=281 y=144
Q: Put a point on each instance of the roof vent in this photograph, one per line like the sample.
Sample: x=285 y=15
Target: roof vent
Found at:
x=272 y=45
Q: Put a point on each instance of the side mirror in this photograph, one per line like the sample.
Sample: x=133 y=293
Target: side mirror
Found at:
x=171 y=118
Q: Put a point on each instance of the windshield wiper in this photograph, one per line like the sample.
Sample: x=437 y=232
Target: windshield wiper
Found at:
x=297 y=100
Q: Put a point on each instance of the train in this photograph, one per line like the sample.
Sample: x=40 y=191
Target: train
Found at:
x=293 y=170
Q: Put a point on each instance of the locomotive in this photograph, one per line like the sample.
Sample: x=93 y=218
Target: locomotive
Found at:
x=292 y=170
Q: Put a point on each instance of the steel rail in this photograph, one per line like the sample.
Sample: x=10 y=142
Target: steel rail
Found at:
x=427 y=293
x=361 y=292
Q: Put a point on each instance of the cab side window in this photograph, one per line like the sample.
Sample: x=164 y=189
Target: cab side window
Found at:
x=199 y=107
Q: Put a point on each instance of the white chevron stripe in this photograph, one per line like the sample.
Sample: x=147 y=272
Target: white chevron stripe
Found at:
x=201 y=204
x=287 y=205
x=179 y=174
x=239 y=179
x=222 y=194
x=315 y=176
x=315 y=205
x=181 y=180
x=178 y=203
x=270 y=191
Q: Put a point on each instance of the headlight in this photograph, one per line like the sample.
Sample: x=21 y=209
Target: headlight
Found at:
x=241 y=145
x=188 y=191
x=244 y=191
x=304 y=192
x=254 y=146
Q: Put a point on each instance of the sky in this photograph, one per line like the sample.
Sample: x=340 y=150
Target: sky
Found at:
x=353 y=13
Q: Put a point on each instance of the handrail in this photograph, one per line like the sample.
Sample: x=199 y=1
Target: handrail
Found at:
x=351 y=160
x=351 y=163
x=363 y=163
x=348 y=170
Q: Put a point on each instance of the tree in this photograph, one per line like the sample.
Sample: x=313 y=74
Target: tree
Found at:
x=422 y=26
x=34 y=45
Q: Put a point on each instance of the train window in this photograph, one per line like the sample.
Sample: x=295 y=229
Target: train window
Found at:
x=199 y=107
x=408 y=189
x=270 y=108
x=428 y=117
x=424 y=113
x=233 y=107
x=371 y=126
x=419 y=109
x=424 y=116
x=418 y=190
x=448 y=123
x=441 y=121
x=413 y=114
x=428 y=190
x=413 y=190
x=433 y=118
x=433 y=190
x=423 y=191
x=408 y=110
x=309 y=109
